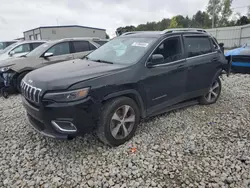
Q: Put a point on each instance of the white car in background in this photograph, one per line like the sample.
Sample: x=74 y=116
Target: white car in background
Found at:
x=19 y=49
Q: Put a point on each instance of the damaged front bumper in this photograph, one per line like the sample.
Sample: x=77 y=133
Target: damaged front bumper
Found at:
x=7 y=79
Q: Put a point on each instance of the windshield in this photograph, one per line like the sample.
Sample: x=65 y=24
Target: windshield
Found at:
x=122 y=50
x=39 y=50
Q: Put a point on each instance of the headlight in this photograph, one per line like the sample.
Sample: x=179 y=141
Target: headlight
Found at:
x=4 y=69
x=67 y=96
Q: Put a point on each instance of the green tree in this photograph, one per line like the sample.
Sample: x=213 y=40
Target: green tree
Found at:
x=201 y=20
x=215 y=5
x=174 y=23
x=226 y=12
x=248 y=12
x=243 y=21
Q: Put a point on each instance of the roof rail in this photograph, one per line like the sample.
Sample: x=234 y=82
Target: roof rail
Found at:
x=183 y=29
x=132 y=32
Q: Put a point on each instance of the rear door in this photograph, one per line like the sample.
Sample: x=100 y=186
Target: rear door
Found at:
x=35 y=45
x=203 y=63
x=61 y=52
x=81 y=48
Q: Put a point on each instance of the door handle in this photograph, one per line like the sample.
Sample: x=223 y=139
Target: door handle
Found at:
x=214 y=59
x=180 y=66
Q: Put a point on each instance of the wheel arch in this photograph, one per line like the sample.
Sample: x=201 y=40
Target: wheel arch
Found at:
x=217 y=74
x=131 y=93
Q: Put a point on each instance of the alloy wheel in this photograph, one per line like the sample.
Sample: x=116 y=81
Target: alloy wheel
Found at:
x=213 y=92
x=122 y=122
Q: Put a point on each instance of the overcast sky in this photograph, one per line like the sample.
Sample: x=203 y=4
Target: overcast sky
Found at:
x=17 y=16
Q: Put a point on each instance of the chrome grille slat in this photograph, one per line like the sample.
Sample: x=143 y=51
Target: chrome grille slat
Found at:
x=30 y=92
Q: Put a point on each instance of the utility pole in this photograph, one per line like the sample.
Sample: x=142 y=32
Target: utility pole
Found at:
x=213 y=13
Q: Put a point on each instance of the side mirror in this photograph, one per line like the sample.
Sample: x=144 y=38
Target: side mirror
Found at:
x=155 y=59
x=48 y=54
x=221 y=45
x=11 y=53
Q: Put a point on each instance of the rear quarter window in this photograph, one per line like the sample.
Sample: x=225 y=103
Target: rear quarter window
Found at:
x=196 y=46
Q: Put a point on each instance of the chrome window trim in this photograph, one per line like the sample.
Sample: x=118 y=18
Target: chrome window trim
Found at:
x=201 y=55
x=158 y=46
x=170 y=63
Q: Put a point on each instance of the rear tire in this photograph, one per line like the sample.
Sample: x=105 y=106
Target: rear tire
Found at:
x=118 y=122
x=213 y=93
x=19 y=80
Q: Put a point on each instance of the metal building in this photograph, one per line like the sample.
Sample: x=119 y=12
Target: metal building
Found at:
x=60 y=32
x=232 y=37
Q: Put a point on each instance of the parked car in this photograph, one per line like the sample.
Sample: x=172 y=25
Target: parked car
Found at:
x=240 y=58
x=131 y=77
x=5 y=44
x=12 y=71
x=101 y=41
x=19 y=49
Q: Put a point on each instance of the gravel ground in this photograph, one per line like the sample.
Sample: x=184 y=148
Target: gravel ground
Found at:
x=200 y=146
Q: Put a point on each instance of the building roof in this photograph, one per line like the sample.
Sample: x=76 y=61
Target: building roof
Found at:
x=64 y=26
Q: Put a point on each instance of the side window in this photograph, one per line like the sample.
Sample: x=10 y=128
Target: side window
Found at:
x=215 y=45
x=197 y=46
x=91 y=46
x=81 y=46
x=60 y=49
x=170 y=49
x=22 y=48
x=35 y=45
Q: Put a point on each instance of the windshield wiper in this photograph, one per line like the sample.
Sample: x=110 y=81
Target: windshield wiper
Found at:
x=84 y=57
x=102 y=61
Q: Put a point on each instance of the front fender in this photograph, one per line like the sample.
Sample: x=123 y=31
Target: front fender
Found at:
x=135 y=96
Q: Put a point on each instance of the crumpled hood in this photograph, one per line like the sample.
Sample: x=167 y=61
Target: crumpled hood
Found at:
x=19 y=63
x=238 y=51
x=62 y=75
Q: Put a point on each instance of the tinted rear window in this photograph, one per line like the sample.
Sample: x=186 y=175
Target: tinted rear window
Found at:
x=35 y=45
x=197 y=46
x=81 y=46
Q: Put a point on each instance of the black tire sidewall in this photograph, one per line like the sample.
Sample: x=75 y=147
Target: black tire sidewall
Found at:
x=109 y=110
x=18 y=81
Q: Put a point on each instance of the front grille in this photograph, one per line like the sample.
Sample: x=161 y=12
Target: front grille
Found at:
x=30 y=92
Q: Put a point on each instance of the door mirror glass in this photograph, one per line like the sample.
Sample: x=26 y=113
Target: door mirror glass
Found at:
x=48 y=54
x=156 y=59
x=12 y=53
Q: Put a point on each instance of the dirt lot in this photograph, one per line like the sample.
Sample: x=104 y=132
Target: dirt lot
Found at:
x=200 y=146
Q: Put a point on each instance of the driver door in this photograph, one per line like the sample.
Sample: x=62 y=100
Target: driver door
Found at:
x=61 y=52
x=165 y=83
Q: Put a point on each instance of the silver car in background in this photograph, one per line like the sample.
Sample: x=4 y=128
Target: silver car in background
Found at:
x=13 y=70
x=19 y=49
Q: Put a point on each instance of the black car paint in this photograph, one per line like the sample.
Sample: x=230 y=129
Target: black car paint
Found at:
x=154 y=89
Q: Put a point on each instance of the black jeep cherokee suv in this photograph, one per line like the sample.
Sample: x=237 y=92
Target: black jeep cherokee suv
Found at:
x=131 y=77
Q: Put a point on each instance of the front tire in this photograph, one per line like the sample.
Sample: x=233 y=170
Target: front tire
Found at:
x=213 y=93
x=118 y=122
x=19 y=80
